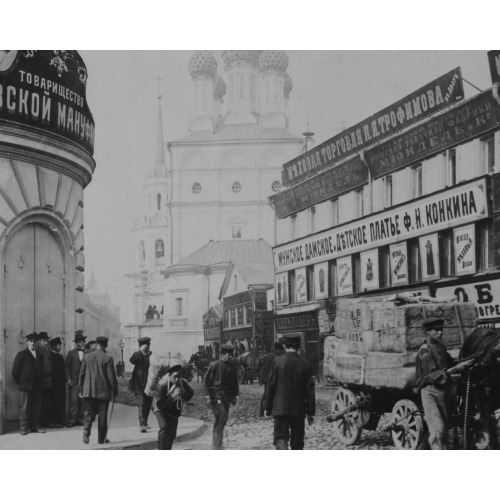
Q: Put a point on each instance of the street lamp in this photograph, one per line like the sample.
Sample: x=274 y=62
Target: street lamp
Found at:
x=122 y=345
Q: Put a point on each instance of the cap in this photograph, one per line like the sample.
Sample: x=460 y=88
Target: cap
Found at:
x=174 y=369
x=79 y=336
x=102 y=341
x=55 y=341
x=291 y=338
x=144 y=340
x=227 y=347
x=43 y=336
x=431 y=323
x=32 y=336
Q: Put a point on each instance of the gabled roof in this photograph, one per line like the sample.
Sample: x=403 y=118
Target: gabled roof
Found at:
x=252 y=273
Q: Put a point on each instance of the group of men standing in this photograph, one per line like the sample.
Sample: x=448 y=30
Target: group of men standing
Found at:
x=84 y=383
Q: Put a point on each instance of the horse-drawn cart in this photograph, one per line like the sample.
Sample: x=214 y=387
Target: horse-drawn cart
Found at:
x=248 y=367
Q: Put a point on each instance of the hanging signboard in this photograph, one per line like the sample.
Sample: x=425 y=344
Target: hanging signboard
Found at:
x=468 y=120
x=369 y=270
x=429 y=99
x=429 y=256
x=464 y=239
x=344 y=271
x=494 y=61
x=448 y=208
x=321 y=281
x=282 y=289
x=399 y=264
x=301 y=285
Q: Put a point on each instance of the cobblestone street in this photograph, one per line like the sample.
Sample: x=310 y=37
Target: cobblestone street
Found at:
x=245 y=430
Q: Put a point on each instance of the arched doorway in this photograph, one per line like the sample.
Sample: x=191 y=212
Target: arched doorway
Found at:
x=34 y=297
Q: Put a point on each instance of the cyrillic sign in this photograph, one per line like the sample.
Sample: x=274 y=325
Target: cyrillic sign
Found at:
x=300 y=285
x=369 y=270
x=433 y=97
x=494 y=61
x=399 y=264
x=344 y=272
x=293 y=322
x=46 y=89
x=466 y=121
x=464 y=239
x=449 y=208
x=429 y=255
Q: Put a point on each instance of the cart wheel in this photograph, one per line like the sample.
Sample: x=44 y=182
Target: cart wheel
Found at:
x=411 y=425
x=346 y=429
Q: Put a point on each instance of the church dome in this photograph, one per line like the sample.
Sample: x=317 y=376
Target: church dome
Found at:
x=235 y=57
x=288 y=85
x=273 y=60
x=202 y=63
x=220 y=88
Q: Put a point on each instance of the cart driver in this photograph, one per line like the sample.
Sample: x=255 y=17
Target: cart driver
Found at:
x=434 y=369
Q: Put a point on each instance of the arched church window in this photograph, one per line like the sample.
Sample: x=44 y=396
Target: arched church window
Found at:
x=236 y=187
x=158 y=202
x=276 y=186
x=196 y=188
x=159 y=248
x=142 y=253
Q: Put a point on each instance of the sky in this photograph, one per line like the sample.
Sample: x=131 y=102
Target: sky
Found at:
x=332 y=90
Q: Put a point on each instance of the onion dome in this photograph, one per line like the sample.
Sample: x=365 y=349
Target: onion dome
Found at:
x=287 y=88
x=202 y=63
x=236 y=57
x=220 y=88
x=273 y=60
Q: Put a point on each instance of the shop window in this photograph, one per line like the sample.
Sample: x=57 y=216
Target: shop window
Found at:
x=388 y=191
x=233 y=316
x=452 y=167
x=312 y=219
x=385 y=267
x=226 y=318
x=332 y=279
x=241 y=316
x=310 y=282
x=335 y=212
x=416 y=171
x=488 y=146
x=248 y=314
x=414 y=270
x=446 y=253
x=291 y=287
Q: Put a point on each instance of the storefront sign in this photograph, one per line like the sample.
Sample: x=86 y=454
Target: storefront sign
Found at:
x=399 y=264
x=293 y=322
x=46 y=89
x=449 y=208
x=239 y=298
x=369 y=270
x=427 y=100
x=466 y=121
x=350 y=175
x=282 y=289
x=485 y=294
x=321 y=281
x=301 y=285
x=344 y=272
x=494 y=61
x=464 y=239
x=429 y=257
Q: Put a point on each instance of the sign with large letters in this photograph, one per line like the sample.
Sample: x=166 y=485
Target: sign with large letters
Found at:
x=429 y=99
x=464 y=240
x=449 y=208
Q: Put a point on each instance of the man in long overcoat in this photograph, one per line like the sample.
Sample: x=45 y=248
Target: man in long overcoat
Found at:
x=73 y=365
x=278 y=350
x=43 y=348
x=27 y=371
x=140 y=359
x=290 y=395
x=98 y=385
x=57 y=394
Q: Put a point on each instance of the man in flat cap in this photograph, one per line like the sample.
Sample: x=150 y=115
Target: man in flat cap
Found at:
x=278 y=350
x=73 y=365
x=140 y=359
x=98 y=385
x=221 y=389
x=434 y=367
x=290 y=395
x=27 y=371
x=43 y=348
x=57 y=394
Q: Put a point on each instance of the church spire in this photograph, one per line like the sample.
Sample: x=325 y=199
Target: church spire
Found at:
x=160 y=167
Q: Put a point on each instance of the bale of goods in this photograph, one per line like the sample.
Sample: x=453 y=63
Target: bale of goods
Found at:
x=384 y=354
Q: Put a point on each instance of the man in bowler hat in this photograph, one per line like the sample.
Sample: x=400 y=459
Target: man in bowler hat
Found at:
x=98 y=385
x=27 y=371
x=290 y=395
x=221 y=389
x=73 y=365
x=57 y=394
x=140 y=359
x=43 y=348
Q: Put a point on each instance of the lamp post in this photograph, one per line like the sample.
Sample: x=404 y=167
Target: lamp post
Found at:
x=122 y=345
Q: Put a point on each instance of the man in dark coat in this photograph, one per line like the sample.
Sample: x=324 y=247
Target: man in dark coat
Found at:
x=137 y=383
x=290 y=395
x=43 y=348
x=278 y=350
x=27 y=371
x=57 y=394
x=73 y=365
x=221 y=389
x=98 y=385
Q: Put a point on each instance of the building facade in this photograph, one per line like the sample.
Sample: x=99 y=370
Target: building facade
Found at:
x=399 y=203
x=46 y=161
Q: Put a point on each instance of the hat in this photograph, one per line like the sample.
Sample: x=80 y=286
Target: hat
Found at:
x=55 y=341
x=32 y=336
x=144 y=340
x=291 y=338
x=102 y=341
x=43 y=336
x=432 y=323
x=79 y=336
x=278 y=346
x=227 y=347
x=174 y=369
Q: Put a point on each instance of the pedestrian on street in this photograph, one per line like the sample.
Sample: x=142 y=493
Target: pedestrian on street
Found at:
x=43 y=348
x=221 y=389
x=73 y=364
x=90 y=346
x=434 y=367
x=141 y=359
x=27 y=371
x=290 y=395
x=169 y=392
x=98 y=385
x=57 y=394
x=278 y=350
